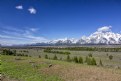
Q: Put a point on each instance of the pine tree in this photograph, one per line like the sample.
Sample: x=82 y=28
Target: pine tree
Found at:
x=55 y=57
x=93 y=62
x=68 y=58
x=75 y=59
x=100 y=63
x=81 y=60
x=46 y=56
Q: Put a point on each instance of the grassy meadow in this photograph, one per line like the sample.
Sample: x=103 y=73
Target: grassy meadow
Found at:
x=33 y=68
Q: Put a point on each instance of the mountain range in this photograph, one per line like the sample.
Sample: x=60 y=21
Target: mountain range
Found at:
x=103 y=35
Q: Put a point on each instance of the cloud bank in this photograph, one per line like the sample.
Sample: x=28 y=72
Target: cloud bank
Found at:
x=11 y=35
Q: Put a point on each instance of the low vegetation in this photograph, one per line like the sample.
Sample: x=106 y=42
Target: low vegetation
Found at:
x=37 y=69
x=38 y=65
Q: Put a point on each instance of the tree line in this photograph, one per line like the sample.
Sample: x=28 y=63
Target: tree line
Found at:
x=12 y=52
x=103 y=49
x=57 y=52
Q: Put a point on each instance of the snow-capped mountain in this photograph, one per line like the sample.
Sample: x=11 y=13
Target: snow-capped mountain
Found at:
x=103 y=35
x=102 y=38
x=64 y=41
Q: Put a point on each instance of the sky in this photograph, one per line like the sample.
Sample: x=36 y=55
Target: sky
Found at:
x=31 y=21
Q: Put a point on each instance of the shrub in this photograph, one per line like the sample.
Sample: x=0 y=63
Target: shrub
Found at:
x=26 y=55
x=90 y=54
x=39 y=56
x=110 y=57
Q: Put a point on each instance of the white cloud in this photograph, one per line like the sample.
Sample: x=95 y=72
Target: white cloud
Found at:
x=20 y=7
x=104 y=29
x=32 y=10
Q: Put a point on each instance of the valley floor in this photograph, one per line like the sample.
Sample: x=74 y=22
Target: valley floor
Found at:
x=37 y=69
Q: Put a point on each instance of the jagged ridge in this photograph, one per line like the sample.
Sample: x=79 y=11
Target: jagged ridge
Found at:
x=103 y=35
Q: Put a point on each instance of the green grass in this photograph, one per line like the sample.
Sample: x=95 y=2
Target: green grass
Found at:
x=98 y=55
x=61 y=71
x=23 y=70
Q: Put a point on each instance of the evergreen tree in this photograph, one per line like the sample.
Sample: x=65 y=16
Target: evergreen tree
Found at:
x=100 y=63
x=68 y=58
x=81 y=60
x=55 y=57
x=93 y=62
x=46 y=56
x=75 y=59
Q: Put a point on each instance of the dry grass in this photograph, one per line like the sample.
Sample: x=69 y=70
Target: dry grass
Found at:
x=78 y=72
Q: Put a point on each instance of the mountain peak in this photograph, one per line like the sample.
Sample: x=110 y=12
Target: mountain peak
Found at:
x=103 y=35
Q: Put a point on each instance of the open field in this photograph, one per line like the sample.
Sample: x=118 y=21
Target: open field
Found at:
x=98 y=55
x=33 y=68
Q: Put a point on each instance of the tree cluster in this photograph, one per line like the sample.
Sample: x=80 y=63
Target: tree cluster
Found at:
x=104 y=49
x=90 y=61
x=57 y=52
x=12 y=52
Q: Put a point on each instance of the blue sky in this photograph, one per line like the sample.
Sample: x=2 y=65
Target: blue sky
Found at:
x=28 y=21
